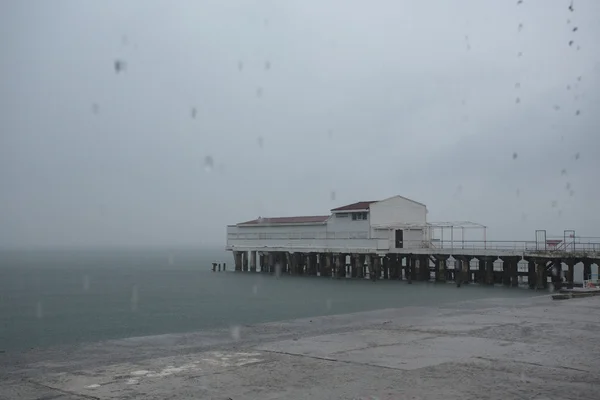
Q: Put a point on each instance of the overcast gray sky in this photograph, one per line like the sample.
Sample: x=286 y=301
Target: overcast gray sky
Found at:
x=303 y=106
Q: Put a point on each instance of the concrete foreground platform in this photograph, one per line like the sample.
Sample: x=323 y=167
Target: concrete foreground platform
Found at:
x=531 y=348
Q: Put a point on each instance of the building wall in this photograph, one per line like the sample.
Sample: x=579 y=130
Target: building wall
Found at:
x=306 y=229
x=347 y=224
x=396 y=211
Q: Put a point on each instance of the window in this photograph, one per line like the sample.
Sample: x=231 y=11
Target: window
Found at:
x=342 y=215
x=362 y=216
x=354 y=216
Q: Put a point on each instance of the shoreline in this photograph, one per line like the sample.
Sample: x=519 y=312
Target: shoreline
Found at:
x=495 y=348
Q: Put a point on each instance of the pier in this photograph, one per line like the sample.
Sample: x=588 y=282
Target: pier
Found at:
x=392 y=239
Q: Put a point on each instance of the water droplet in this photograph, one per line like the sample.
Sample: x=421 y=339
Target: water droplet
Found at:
x=328 y=304
x=332 y=195
x=568 y=21
x=209 y=163
x=571 y=43
x=575 y=29
x=260 y=141
x=520 y=28
x=579 y=78
x=515 y=155
x=124 y=40
x=577 y=156
x=559 y=213
x=240 y=65
x=193 y=112
x=519 y=2
x=518 y=192
x=520 y=54
x=571 y=6
x=86 y=283
x=254 y=289
x=571 y=192
x=517 y=85
x=134 y=298
x=95 y=108
x=568 y=87
x=39 y=311
x=554 y=203
x=235 y=332
x=259 y=92
x=577 y=112
x=556 y=107
x=120 y=65
x=568 y=186
x=267 y=65
x=563 y=171
x=518 y=100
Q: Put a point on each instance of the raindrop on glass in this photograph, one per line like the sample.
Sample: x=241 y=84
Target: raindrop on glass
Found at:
x=120 y=65
x=240 y=65
x=554 y=203
x=556 y=107
x=267 y=65
x=571 y=192
x=577 y=112
x=134 y=298
x=571 y=7
x=517 y=85
x=575 y=29
x=332 y=195
x=518 y=100
x=519 y=2
x=571 y=43
x=568 y=87
x=209 y=163
x=39 y=311
x=259 y=92
x=568 y=186
x=518 y=192
x=520 y=54
x=193 y=112
x=563 y=171
x=260 y=141
x=515 y=155
x=520 y=28
x=235 y=332
x=95 y=108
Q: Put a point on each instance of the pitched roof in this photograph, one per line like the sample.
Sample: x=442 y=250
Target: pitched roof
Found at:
x=314 y=219
x=361 y=205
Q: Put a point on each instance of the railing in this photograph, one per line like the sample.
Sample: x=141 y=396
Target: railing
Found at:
x=320 y=238
x=298 y=235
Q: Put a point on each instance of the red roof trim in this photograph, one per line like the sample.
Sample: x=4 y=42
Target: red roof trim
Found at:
x=311 y=219
x=361 y=205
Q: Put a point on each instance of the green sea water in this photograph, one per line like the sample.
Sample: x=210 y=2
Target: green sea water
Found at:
x=73 y=296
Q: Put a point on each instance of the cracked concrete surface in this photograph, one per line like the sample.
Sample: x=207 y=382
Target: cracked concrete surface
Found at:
x=486 y=349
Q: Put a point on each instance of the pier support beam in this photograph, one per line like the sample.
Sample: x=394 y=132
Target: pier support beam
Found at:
x=531 y=274
x=510 y=276
x=385 y=264
x=237 y=260
x=328 y=265
x=253 y=261
x=245 y=261
x=408 y=269
x=541 y=280
x=481 y=272
x=374 y=275
x=570 y=271
x=440 y=271
x=587 y=269
x=556 y=277
x=360 y=267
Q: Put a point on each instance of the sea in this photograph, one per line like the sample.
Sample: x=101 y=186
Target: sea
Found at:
x=74 y=296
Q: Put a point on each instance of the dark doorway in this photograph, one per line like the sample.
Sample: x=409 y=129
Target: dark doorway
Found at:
x=399 y=238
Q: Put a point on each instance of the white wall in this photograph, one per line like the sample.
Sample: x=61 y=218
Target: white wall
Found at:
x=397 y=210
x=308 y=228
x=336 y=224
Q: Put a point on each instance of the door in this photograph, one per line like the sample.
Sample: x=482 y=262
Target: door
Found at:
x=399 y=238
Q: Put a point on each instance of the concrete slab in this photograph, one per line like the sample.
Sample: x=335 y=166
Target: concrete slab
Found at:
x=538 y=350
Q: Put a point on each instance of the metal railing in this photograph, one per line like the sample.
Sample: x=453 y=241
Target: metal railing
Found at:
x=576 y=244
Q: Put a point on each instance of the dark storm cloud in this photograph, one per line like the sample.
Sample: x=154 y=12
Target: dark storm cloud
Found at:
x=377 y=100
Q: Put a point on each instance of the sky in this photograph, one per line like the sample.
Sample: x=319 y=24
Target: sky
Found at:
x=220 y=112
